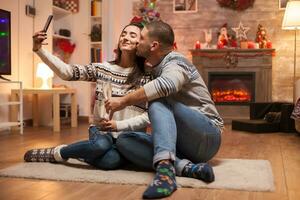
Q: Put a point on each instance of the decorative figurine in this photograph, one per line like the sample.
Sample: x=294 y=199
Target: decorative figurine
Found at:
x=261 y=37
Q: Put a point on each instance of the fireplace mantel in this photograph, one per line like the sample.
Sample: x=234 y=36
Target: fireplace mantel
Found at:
x=258 y=61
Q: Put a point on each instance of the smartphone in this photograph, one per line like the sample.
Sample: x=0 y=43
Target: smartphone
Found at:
x=47 y=23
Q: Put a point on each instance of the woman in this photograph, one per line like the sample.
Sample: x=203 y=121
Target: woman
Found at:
x=116 y=78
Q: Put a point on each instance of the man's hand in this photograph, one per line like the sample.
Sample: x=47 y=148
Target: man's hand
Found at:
x=108 y=125
x=38 y=39
x=114 y=104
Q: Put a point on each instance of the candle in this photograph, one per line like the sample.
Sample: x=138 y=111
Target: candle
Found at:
x=198 y=45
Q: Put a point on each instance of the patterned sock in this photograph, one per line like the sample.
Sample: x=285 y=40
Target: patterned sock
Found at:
x=202 y=171
x=51 y=154
x=40 y=155
x=164 y=183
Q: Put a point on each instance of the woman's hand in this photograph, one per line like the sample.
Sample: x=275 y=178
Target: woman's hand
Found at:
x=38 y=39
x=108 y=125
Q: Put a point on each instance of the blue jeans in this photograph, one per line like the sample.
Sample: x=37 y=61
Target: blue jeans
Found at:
x=176 y=128
x=99 y=151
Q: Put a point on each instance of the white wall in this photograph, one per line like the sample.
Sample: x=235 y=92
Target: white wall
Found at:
x=117 y=13
x=80 y=23
x=81 y=55
x=43 y=10
x=22 y=56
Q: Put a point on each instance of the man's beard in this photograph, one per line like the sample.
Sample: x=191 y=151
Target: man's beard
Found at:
x=144 y=53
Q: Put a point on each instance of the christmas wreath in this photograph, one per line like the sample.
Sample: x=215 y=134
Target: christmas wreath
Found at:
x=236 y=4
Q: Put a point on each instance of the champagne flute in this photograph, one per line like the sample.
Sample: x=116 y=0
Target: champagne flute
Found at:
x=107 y=93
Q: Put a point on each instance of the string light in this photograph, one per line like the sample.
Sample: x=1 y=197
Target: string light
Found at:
x=3 y=20
x=2 y=34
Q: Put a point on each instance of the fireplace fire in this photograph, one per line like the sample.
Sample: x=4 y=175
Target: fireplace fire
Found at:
x=232 y=88
x=231 y=96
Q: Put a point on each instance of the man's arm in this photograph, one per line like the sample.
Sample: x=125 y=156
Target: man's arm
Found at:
x=170 y=81
x=114 y=104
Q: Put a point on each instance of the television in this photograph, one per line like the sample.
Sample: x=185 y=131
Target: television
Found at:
x=5 y=43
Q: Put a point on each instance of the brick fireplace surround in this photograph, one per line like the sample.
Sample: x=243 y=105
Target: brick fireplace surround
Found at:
x=257 y=62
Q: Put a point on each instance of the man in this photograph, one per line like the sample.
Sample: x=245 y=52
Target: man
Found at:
x=180 y=110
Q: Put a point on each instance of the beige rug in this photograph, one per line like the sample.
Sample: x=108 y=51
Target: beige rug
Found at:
x=237 y=174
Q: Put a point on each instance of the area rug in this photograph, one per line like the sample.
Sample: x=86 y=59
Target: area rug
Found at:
x=237 y=174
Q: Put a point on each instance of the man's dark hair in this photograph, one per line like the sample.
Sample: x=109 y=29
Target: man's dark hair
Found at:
x=161 y=31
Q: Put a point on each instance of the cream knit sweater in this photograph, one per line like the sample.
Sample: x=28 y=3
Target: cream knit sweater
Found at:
x=131 y=118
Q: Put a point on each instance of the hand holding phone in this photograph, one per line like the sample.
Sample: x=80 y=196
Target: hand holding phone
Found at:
x=40 y=36
x=47 y=23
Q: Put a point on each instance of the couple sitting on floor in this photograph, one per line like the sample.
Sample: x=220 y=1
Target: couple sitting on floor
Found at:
x=186 y=127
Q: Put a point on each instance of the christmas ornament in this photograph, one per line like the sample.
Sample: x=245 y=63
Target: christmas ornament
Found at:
x=236 y=4
x=223 y=36
x=241 y=31
x=261 y=37
x=225 y=39
x=148 y=12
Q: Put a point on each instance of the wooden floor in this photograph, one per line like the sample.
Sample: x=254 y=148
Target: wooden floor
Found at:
x=281 y=149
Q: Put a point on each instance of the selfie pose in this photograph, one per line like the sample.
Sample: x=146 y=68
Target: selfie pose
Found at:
x=117 y=78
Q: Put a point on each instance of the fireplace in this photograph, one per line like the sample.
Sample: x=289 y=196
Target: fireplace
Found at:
x=229 y=88
x=235 y=78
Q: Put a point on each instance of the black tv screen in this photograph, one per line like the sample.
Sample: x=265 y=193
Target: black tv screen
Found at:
x=5 y=43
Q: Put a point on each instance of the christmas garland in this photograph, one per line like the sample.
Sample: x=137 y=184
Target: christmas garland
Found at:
x=226 y=54
x=236 y=4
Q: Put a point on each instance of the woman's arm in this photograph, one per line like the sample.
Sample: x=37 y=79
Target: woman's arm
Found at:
x=131 y=124
x=170 y=81
x=135 y=123
x=63 y=70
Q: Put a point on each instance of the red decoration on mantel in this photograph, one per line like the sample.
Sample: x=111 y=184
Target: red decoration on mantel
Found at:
x=175 y=46
x=251 y=45
x=236 y=4
x=224 y=54
x=198 y=45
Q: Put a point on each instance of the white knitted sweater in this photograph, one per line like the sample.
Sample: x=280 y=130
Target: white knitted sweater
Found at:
x=131 y=118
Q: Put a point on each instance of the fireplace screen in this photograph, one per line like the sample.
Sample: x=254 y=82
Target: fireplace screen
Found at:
x=231 y=87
